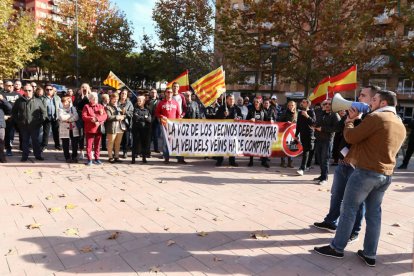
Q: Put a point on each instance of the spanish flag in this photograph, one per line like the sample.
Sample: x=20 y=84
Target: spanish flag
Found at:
x=210 y=87
x=320 y=93
x=114 y=81
x=328 y=86
x=183 y=81
x=344 y=81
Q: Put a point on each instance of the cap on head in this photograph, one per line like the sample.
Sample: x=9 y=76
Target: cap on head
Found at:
x=274 y=97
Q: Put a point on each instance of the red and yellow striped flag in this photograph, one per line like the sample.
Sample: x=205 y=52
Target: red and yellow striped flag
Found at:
x=344 y=81
x=182 y=80
x=320 y=93
x=114 y=81
x=210 y=87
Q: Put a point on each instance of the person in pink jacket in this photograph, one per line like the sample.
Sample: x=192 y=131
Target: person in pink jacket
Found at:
x=93 y=115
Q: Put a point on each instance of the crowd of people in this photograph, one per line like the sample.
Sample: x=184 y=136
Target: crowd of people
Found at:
x=362 y=146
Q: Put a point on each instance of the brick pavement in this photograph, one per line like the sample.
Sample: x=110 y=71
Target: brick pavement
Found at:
x=159 y=215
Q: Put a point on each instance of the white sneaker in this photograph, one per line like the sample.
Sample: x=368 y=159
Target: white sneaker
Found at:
x=323 y=182
x=299 y=172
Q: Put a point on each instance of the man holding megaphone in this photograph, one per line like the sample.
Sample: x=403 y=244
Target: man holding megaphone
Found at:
x=375 y=143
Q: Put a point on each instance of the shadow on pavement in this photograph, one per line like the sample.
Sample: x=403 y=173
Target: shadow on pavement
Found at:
x=217 y=252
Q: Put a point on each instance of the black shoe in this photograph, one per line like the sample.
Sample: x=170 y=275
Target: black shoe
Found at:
x=265 y=164
x=40 y=158
x=329 y=252
x=182 y=162
x=75 y=160
x=233 y=164
x=144 y=160
x=325 y=226
x=317 y=178
x=219 y=163
x=68 y=160
x=58 y=148
x=111 y=160
x=117 y=160
x=133 y=161
x=250 y=164
x=368 y=261
x=24 y=159
x=402 y=167
x=353 y=238
x=125 y=155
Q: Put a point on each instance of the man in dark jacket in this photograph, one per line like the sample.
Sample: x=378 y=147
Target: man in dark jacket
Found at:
x=326 y=126
x=410 y=148
x=155 y=124
x=11 y=96
x=29 y=113
x=53 y=103
x=305 y=132
x=193 y=109
x=228 y=111
x=5 y=110
x=211 y=111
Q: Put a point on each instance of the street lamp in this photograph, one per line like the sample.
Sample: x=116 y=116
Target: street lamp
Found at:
x=77 y=43
x=274 y=47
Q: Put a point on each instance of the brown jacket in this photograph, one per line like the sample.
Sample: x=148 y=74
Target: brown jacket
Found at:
x=375 y=142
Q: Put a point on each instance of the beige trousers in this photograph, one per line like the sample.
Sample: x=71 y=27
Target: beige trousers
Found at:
x=114 y=143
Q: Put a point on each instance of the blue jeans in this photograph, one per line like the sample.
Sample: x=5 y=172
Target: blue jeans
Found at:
x=341 y=176
x=155 y=133
x=165 y=152
x=368 y=186
x=323 y=151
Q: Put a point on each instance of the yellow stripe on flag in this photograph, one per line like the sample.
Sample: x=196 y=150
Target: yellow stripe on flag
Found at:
x=113 y=81
x=210 y=87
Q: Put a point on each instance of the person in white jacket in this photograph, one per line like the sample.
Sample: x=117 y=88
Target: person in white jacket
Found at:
x=68 y=131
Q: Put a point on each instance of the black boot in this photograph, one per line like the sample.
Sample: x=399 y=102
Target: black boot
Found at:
x=144 y=159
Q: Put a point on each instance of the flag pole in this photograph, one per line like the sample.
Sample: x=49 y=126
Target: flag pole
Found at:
x=355 y=91
x=327 y=88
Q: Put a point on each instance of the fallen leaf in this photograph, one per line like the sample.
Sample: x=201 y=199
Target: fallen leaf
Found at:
x=49 y=197
x=166 y=228
x=72 y=232
x=198 y=209
x=259 y=235
x=162 y=181
x=54 y=209
x=15 y=204
x=86 y=249
x=33 y=226
x=70 y=206
x=28 y=172
x=324 y=190
x=114 y=235
x=122 y=189
x=202 y=234
x=215 y=219
x=217 y=259
x=99 y=199
x=396 y=225
x=11 y=252
x=159 y=209
x=122 y=200
x=155 y=269
x=62 y=195
x=390 y=234
x=31 y=206
x=283 y=175
x=170 y=242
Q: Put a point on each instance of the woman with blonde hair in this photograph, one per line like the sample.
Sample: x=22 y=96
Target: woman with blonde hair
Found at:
x=290 y=116
x=94 y=116
x=68 y=132
x=115 y=127
x=81 y=99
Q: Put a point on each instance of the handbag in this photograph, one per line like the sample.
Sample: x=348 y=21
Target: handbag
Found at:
x=123 y=125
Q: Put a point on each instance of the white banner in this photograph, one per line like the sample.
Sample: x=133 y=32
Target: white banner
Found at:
x=220 y=137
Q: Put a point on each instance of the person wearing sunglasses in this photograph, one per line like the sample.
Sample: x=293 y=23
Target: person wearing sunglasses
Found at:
x=29 y=113
x=326 y=126
x=11 y=96
x=53 y=103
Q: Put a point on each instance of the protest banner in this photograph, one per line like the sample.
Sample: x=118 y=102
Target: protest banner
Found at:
x=194 y=137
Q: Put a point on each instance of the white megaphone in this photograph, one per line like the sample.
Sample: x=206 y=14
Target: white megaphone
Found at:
x=339 y=103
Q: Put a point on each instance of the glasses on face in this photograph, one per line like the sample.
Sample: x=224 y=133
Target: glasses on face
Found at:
x=49 y=89
x=28 y=90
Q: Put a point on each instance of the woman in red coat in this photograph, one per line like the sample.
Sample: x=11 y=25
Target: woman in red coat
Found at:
x=94 y=116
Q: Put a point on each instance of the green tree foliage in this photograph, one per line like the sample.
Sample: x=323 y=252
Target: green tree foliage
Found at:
x=185 y=31
x=325 y=37
x=105 y=39
x=17 y=33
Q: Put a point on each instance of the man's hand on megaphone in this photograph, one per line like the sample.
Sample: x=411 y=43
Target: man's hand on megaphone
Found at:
x=354 y=114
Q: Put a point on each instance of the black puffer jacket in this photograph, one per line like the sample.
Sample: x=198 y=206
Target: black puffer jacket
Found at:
x=5 y=109
x=234 y=112
x=141 y=118
x=304 y=125
x=329 y=123
x=29 y=113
